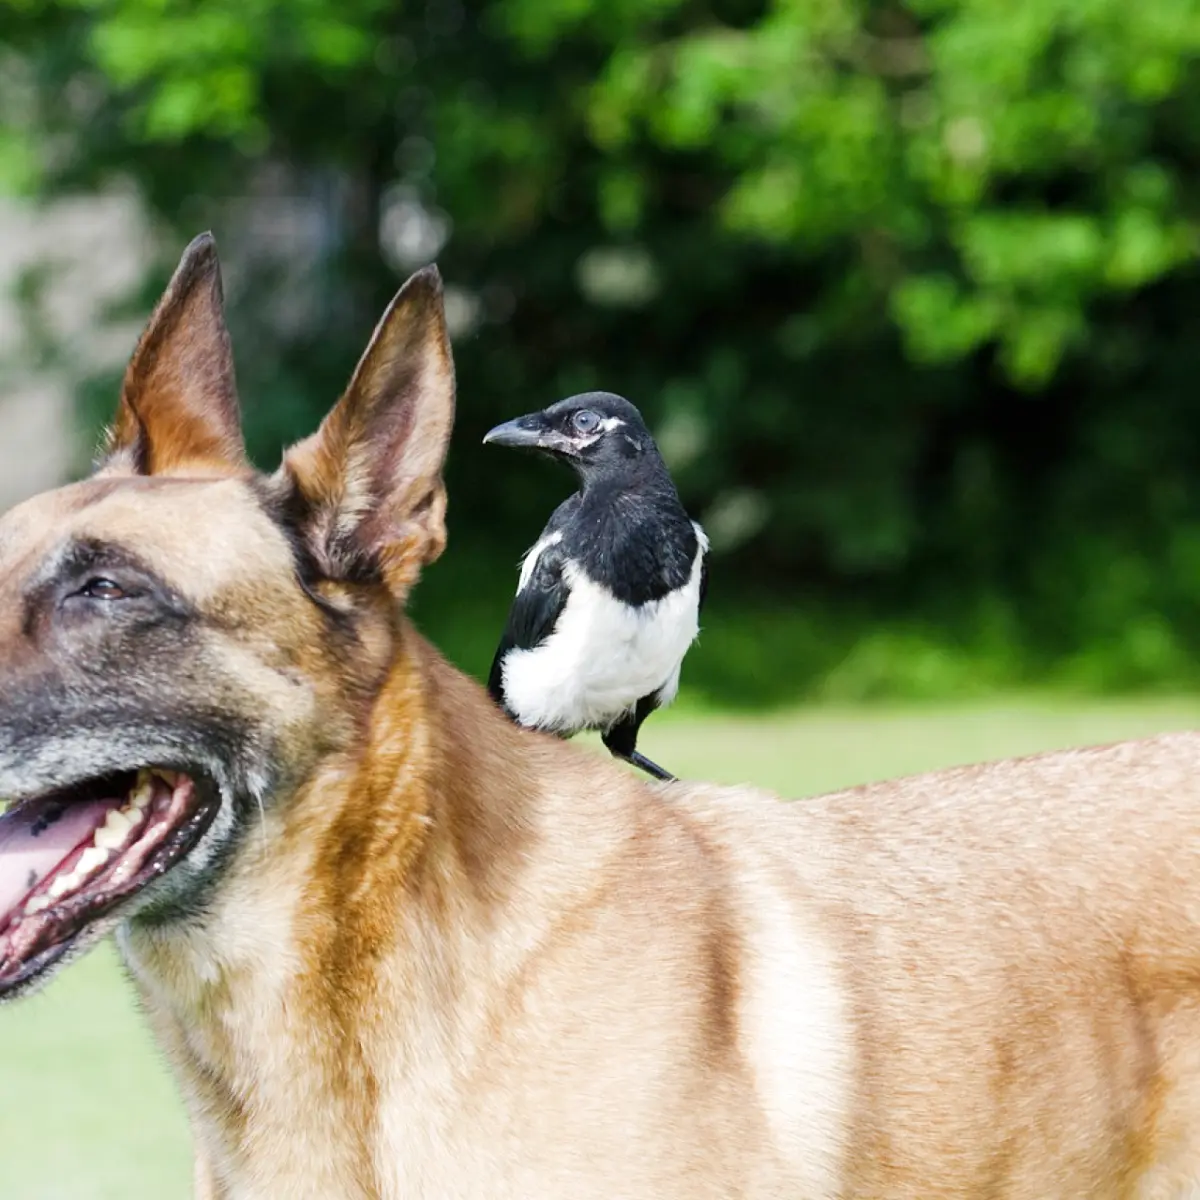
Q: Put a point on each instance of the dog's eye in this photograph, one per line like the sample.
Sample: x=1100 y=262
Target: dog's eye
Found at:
x=102 y=589
x=586 y=421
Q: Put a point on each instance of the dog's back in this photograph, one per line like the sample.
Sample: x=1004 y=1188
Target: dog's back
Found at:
x=978 y=982
x=1014 y=953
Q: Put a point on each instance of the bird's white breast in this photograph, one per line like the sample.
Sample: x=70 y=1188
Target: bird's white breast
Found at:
x=603 y=655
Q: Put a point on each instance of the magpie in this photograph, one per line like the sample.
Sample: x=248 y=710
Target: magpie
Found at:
x=609 y=597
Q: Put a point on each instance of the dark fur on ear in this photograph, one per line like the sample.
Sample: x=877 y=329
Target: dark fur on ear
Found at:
x=178 y=411
x=365 y=491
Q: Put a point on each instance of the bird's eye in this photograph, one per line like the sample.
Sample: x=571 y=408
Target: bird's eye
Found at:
x=102 y=589
x=586 y=421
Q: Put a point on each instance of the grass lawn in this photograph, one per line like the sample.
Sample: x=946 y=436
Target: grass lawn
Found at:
x=87 y=1110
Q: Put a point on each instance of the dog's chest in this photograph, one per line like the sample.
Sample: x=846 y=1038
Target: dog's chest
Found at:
x=251 y=1055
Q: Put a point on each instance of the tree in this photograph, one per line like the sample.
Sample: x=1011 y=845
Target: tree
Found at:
x=887 y=278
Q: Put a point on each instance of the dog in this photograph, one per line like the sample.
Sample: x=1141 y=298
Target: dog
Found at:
x=397 y=947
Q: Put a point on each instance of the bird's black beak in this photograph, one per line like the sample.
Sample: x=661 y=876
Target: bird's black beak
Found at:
x=530 y=432
x=524 y=431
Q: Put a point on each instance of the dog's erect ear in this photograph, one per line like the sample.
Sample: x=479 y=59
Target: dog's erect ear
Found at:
x=365 y=491
x=179 y=409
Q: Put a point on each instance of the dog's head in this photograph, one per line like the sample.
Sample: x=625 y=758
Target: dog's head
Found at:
x=182 y=638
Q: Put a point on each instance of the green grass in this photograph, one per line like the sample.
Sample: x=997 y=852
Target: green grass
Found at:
x=87 y=1110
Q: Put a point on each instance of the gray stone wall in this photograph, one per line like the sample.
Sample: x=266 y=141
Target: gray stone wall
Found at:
x=88 y=252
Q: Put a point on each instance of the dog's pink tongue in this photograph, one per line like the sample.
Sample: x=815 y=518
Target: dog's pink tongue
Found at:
x=32 y=845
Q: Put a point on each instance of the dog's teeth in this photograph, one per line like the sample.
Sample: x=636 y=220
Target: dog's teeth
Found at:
x=133 y=815
x=143 y=791
x=89 y=860
x=117 y=821
x=112 y=834
x=109 y=839
x=170 y=778
x=37 y=905
x=61 y=886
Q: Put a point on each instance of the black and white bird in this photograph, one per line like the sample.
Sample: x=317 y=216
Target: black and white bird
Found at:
x=609 y=598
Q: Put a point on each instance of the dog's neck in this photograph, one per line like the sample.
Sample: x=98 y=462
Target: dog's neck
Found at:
x=375 y=894
x=437 y=789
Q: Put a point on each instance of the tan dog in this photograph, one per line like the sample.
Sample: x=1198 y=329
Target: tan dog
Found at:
x=398 y=948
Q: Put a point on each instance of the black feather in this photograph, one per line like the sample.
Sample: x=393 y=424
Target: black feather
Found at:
x=537 y=606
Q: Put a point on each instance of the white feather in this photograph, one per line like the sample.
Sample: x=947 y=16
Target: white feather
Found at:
x=603 y=655
x=530 y=561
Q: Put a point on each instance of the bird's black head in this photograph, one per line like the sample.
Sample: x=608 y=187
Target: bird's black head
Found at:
x=596 y=433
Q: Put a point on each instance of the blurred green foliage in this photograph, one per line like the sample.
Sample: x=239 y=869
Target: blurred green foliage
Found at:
x=906 y=288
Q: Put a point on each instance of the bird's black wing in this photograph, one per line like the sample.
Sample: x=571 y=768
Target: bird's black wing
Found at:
x=531 y=619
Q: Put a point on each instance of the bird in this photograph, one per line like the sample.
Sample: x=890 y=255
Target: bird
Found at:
x=609 y=597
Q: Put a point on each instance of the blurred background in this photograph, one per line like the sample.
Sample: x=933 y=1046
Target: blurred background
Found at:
x=907 y=291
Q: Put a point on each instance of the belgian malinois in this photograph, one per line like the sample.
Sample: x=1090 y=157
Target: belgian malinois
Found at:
x=397 y=947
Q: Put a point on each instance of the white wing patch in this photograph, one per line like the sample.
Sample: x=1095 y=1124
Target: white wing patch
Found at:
x=530 y=561
x=603 y=656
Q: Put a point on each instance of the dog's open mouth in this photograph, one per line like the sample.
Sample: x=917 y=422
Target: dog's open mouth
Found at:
x=70 y=857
